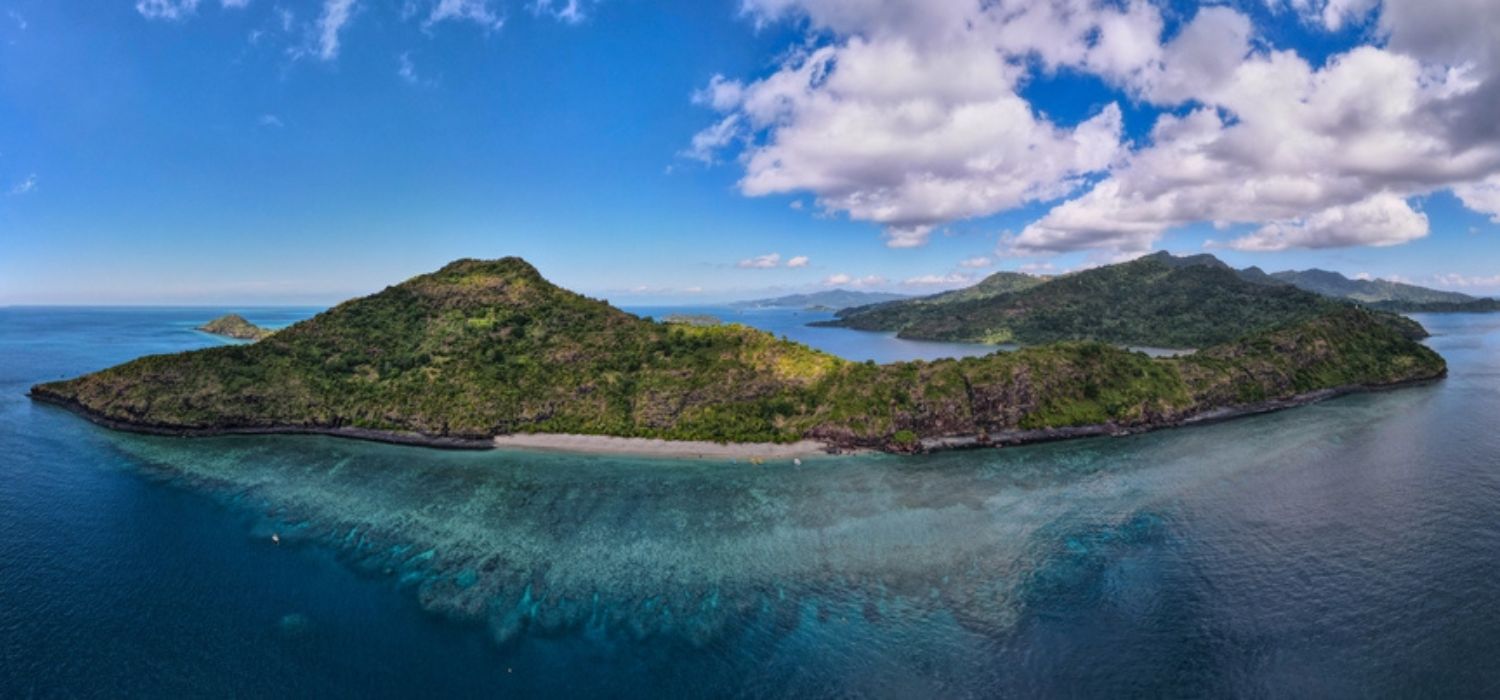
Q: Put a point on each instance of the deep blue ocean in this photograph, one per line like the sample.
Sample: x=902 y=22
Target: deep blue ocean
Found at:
x=1347 y=549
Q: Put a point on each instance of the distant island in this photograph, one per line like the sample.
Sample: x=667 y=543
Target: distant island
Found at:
x=1157 y=300
x=234 y=326
x=1383 y=294
x=481 y=349
x=830 y=300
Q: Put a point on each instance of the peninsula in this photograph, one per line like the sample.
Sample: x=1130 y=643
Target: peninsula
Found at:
x=481 y=349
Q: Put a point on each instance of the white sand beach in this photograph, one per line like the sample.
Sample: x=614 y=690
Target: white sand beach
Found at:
x=648 y=447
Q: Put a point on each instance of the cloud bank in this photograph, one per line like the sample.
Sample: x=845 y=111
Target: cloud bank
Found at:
x=909 y=114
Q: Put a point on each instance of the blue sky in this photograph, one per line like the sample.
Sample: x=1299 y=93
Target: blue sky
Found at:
x=304 y=151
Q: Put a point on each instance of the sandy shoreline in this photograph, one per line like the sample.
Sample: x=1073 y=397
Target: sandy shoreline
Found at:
x=650 y=447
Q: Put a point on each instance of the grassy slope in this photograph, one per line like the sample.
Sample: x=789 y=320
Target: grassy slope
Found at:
x=480 y=348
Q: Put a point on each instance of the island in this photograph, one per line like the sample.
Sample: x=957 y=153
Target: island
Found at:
x=234 y=326
x=1157 y=300
x=1385 y=295
x=489 y=348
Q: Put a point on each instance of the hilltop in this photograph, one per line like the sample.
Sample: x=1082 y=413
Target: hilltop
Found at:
x=485 y=348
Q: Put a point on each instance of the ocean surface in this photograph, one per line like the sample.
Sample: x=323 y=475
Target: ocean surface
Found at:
x=1347 y=549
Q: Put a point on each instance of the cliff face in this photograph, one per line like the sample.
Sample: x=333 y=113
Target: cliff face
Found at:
x=481 y=348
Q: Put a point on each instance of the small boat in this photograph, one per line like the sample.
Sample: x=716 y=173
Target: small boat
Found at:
x=797 y=461
x=275 y=538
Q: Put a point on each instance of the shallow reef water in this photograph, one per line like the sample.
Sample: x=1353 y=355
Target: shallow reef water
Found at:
x=1338 y=550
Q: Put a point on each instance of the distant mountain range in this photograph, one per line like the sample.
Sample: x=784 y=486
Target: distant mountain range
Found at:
x=831 y=299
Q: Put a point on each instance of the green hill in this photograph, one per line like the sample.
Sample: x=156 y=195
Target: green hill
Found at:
x=1157 y=300
x=481 y=348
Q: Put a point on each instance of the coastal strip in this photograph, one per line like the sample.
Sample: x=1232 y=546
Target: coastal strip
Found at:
x=1013 y=438
x=446 y=442
x=700 y=449
x=653 y=447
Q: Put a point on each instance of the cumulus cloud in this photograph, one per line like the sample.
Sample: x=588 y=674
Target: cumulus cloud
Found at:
x=908 y=114
x=270 y=120
x=975 y=263
x=761 y=262
x=772 y=260
x=952 y=279
x=1382 y=220
x=1482 y=196
x=845 y=280
x=1316 y=157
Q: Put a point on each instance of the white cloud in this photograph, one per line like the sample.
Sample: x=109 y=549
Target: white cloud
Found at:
x=476 y=11
x=1452 y=280
x=407 y=70
x=1482 y=196
x=907 y=113
x=952 y=279
x=1317 y=157
x=975 y=263
x=25 y=186
x=336 y=14
x=270 y=120
x=18 y=18
x=1382 y=220
x=166 y=9
x=844 y=280
x=797 y=261
x=569 y=11
x=707 y=143
x=761 y=262
x=1364 y=276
